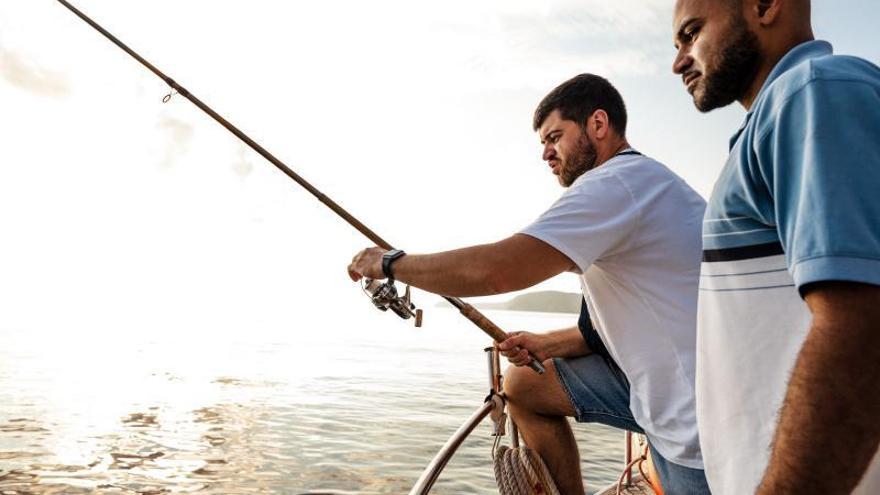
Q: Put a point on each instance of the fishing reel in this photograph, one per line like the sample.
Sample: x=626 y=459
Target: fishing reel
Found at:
x=384 y=296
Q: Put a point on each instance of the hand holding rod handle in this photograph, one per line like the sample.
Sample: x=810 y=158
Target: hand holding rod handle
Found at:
x=466 y=309
x=499 y=335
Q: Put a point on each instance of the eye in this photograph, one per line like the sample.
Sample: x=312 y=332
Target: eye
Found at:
x=687 y=35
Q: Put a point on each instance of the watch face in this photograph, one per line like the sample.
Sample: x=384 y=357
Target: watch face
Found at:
x=394 y=253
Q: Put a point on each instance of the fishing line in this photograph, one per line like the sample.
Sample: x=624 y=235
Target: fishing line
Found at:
x=400 y=305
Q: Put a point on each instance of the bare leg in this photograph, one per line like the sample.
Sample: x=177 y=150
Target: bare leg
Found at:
x=540 y=407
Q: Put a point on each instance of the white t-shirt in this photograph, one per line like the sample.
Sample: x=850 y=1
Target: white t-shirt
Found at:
x=632 y=227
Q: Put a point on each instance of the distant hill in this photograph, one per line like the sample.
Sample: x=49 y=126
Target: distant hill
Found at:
x=550 y=301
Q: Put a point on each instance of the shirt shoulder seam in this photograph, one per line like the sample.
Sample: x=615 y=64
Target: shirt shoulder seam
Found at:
x=767 y=128
x=632 y=200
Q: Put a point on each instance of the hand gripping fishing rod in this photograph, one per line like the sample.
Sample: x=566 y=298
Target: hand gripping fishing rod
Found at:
x=401 y=306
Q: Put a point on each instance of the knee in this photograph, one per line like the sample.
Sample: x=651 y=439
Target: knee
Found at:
x=521 y=384
x=529 y=393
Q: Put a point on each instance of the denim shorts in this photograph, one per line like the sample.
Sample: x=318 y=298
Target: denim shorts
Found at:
x=599 y=392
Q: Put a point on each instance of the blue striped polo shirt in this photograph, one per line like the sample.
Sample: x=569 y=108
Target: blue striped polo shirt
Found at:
x=798 y=202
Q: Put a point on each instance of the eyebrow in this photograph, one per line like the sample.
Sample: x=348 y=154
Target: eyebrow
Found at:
x=551 y=133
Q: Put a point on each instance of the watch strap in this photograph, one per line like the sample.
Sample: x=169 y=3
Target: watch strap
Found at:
x=388 y=259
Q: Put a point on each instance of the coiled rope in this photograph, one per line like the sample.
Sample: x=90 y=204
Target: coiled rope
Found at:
x=521 y=471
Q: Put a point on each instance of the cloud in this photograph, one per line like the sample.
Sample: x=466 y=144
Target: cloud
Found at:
x=179 y=136
x=594 y=19
x=517 y=43
x=30 y=77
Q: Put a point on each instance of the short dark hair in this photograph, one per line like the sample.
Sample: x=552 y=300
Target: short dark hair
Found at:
x=580 y=97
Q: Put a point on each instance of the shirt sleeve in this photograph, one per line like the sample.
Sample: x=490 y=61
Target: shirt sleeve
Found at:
x=821 y=160
x=590 y=220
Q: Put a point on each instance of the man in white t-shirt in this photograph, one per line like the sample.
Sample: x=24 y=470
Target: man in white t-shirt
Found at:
x=631 y=229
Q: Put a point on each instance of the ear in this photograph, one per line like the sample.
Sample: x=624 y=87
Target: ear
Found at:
x=599 y=125
x=766 y=11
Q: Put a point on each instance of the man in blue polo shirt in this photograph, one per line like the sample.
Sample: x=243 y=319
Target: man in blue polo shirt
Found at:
x=788 y=346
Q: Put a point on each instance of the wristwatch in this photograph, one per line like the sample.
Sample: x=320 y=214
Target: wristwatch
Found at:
x=388 y=259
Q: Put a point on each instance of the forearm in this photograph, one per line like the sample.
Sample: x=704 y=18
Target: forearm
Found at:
x=828 y=430
x=515 y=263
x=465 y=272
x=566 y=343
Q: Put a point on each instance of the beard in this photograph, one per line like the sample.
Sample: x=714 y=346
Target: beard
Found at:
x=732 y=71
x=581 y=160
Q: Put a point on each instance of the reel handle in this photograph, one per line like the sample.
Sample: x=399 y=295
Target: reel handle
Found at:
x=497 y=334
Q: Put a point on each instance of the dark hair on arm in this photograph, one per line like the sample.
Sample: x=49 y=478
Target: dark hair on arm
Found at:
x=580 y=97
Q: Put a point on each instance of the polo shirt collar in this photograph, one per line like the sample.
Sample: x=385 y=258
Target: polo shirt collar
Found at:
x=801 y=53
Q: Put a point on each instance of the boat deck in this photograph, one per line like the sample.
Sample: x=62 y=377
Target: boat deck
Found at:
x=638 y=487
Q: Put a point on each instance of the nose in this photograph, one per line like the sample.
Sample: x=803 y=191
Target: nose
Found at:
x=549 y=152
x=683 y=60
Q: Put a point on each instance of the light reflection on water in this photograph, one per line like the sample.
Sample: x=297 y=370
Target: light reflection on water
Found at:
x=336 y=413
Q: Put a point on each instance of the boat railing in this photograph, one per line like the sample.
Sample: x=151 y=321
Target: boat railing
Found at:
x=493 y=407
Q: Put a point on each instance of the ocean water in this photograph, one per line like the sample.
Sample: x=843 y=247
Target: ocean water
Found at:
x=306 y=412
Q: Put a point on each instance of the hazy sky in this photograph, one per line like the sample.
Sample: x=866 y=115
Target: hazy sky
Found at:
x=118 y=212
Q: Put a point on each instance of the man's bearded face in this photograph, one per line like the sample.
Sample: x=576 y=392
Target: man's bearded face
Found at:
x=579 y=160
x=729 y=74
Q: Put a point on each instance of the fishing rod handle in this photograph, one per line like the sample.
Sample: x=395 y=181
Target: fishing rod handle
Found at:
x=497 y=334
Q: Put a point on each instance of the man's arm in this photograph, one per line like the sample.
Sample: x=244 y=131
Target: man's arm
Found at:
x=565 y=343
x=829 y=426
x=512 y=264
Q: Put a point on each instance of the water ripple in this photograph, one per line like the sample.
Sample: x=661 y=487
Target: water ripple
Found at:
x=261 y=423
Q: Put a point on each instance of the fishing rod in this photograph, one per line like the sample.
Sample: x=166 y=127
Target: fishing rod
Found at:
x=383 y=295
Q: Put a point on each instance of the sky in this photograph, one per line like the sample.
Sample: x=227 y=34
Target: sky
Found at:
x=121 y=213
